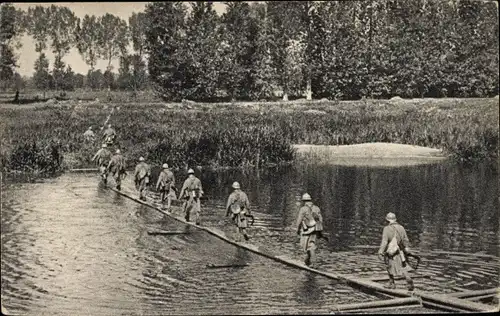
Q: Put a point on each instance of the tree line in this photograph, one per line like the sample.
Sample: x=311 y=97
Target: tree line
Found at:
x=315 y=49
x=58 y=29
x=332 y=49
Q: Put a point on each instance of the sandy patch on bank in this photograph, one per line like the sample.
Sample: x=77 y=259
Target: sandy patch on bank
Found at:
x=370 y=154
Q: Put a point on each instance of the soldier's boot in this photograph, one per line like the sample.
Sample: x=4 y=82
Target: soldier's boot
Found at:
x=308 y=259
x=409 y=281
x=391 y=284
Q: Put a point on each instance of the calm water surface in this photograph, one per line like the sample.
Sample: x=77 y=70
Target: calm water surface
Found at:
x=71 y=247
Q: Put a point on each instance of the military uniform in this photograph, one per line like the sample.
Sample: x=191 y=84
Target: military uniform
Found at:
x=166 y=185
x=395 y=264
x=102 y=158
x=109 y=135
x=309 y=226
x=141 y=177
x=239 y=206
x=116 y=167
x=89 y=135
x=192 y=191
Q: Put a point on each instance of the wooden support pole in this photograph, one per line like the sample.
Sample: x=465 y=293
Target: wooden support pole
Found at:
x=386 y=278
x=384 y=303
x=164 y=232
x=219 y=266
x=84 y=170
x=482 y=297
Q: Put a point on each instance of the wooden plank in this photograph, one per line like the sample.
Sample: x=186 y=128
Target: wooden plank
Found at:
x=378 y=309
x=383 y=303
x=453 y=302
x=475 y=293
x=482 y=297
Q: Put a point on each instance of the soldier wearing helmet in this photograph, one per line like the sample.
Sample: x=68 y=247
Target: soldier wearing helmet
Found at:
x=166 y=185
x=117 y=167
x=89 y=135
x=109 y=135
x=239 y=206
x=141 y=177
x=191 y=192
x=394 y=236
x=309 y=226
x=102 y=158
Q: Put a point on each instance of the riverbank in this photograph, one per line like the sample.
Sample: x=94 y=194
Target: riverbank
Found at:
x=50 y=137
x=369 y=154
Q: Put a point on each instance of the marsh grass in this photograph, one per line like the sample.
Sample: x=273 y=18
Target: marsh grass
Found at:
x=243 y=134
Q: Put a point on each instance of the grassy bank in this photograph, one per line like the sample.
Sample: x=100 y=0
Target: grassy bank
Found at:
x=243 y=134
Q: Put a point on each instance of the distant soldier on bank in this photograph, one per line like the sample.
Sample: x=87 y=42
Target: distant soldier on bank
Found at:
x=89 y=135
x=109 y=135
x=116 y=168
x=309 y=226
x=191 y=192
x=102 y=158
x=141 y=177
x=393 y=251
x=239 y=206
x=166 y=185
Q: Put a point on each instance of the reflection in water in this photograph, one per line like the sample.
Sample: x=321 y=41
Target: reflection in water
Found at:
x=443 y=206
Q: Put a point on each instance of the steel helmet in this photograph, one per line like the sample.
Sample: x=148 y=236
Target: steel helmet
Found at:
x=165 y=166
x=190 y=171
x=141 y=159
x=118 y=151
x=236 y=185
x=390 y=217
x=104 y=146
x=306 y=197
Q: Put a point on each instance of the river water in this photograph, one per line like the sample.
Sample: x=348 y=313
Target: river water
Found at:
x=69 y=246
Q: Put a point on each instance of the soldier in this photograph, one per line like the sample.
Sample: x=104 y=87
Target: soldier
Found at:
x=394 y=258
x=239 y=206
x=103 y=156
x=89 y=135
x=141 y=177
x=109 y=135
x=191 y=192
x=116 y=167
x=166 y=185
x=309 y=224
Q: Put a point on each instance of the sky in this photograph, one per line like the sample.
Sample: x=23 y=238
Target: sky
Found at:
x=27 y=55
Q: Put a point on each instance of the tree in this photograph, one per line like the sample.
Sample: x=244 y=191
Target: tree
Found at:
x=263 y=73
x=108 y=79
x=137 y=25
x=69 y=79
x=165 y=33
x=79 y=81
x=41 y=77
x=87 y=40
x=113 y=38
x=38 y=18
x=239 y=47
x=95 y=79
x=58 y=74
x=62 y=24
x=202 y=57
x=7 y=37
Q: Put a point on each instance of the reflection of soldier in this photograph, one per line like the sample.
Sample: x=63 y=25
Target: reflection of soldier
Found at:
x=166 y=185
x=89 y=135
x=309 y=224
x=116 y=167
x=103 y=156
x=109 y=135
x=141 y=177
x=396 y=261
x=239 y=206
x=192 y=191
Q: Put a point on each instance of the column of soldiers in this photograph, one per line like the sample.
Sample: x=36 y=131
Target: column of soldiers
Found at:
x=309 y=221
